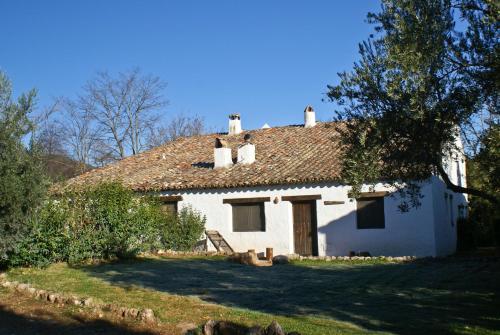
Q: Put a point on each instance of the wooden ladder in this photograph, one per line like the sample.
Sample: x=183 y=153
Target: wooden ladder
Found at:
x=219 y=242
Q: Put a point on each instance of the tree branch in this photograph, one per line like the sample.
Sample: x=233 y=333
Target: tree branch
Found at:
x=460 y=189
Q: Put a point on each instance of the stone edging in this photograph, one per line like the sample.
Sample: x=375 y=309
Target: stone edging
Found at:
x=184 y=253
x=290 y=256
x=146 y=315
x=353 y=258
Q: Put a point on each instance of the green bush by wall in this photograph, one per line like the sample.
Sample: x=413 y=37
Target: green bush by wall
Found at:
x=104 y=222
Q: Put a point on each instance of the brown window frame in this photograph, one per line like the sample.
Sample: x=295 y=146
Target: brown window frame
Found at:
x=238 y=228
x=362 y=214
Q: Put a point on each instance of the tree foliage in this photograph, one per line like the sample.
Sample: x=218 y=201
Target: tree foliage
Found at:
x=22 y=184
x=483 y=172
x=105 y=221
x=418 y=86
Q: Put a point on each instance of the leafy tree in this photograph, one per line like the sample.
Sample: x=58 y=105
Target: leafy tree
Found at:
x=483 y=172
x=418 y=85
x=22 y=184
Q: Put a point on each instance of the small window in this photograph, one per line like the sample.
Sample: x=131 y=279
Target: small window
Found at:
x=370 y=213
x=248 y=217
x=169 y=207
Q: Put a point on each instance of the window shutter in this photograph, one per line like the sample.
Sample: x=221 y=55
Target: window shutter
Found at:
x=248 y=217
x=370 y=213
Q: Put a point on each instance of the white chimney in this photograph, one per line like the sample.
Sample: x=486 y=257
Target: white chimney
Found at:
x=222 y=154
x=234 y=124
x=309 y=117
x=246 y=152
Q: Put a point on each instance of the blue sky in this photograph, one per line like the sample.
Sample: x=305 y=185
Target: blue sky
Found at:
x=264 y=59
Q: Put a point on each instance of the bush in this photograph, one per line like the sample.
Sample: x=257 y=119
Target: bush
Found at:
x=46 y=241
x=183 y=230
x=107 y=221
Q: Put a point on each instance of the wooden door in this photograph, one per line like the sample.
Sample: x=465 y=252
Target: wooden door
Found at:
x=305 y=228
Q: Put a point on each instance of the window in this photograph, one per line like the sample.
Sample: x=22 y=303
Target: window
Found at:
x=169 y=207
x=370 y=213
x=169 y=203
x=248 y=217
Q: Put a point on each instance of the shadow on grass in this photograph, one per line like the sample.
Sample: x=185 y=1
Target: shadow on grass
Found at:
x=13 y=323
x=412 y=298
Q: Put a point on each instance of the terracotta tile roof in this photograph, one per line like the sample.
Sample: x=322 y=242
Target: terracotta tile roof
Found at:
x=284 y=155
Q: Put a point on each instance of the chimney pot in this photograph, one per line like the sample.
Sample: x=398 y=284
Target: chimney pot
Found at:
x=246 y=151
x=222 y=154
x=234 y=124
x=309 y=117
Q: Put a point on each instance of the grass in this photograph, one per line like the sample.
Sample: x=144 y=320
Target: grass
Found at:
x=21 y=315
x=452 y=296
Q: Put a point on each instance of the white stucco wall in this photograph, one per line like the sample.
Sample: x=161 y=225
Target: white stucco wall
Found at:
x=412 y=233
x=446 y=203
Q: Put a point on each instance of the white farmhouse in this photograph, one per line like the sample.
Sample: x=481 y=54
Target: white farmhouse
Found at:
x=279 y=187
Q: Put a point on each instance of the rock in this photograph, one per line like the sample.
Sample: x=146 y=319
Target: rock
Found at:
x=123 y=311
x=280 y=259
x=274 y=329
x=112 y=308
x=59 y=299
x=133 y=313
x=73 y=300
x=41 y=294
x=209 y=327
x=147 y=315
x=31 y=291
x=6 y=284
x=87 y=302
x=52 y=298
x=22 y=287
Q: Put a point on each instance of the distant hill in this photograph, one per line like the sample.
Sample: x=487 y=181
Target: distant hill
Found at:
x=61 y=167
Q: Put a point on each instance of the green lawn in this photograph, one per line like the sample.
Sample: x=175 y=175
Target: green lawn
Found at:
x=452 y=296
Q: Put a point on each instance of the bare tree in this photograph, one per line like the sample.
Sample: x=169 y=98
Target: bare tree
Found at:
x=102 y=154
x=125 y=108
x=48 y=132
x=179 y=126
x=79 y=131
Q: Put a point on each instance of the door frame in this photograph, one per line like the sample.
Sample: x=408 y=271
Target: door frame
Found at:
x=314 y=225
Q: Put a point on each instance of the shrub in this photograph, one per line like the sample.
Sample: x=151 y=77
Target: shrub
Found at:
x=106 y=221
x=46 y=241
x=183 y=230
